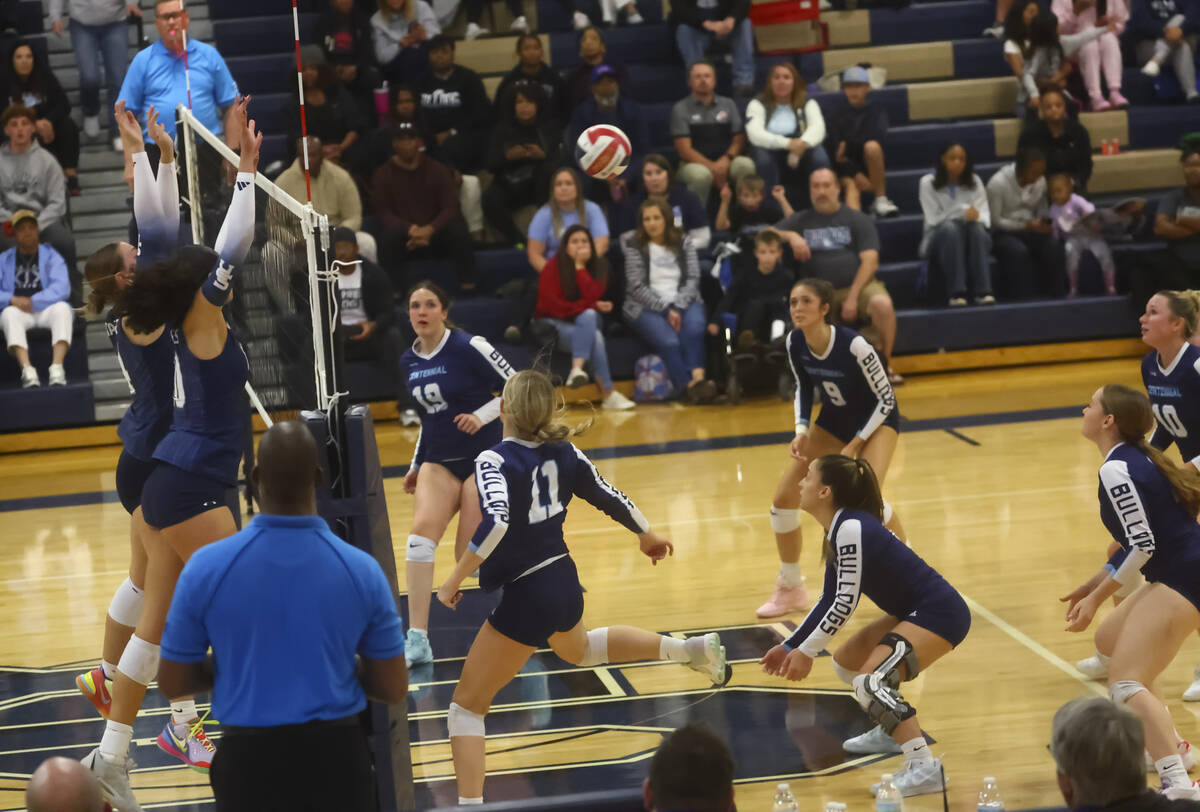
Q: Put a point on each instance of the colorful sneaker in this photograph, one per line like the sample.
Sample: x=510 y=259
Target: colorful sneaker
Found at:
x=708 y=657
x=1188 y=792
x=924 y=778
x=871 y=742
x=113 y=777
x=95 y=688
x=193 y=748
x=417 y=649
x=784 y=600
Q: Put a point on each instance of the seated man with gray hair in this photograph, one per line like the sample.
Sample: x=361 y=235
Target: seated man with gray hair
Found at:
x=1099 y=750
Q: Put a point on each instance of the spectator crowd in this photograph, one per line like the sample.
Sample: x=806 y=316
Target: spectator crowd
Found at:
x=408 y=153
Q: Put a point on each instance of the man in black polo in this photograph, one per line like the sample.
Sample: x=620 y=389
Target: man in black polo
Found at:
x=708 y=134
x=305 y=628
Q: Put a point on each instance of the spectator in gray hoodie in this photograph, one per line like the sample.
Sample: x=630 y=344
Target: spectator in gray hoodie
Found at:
x=31 y=179
x=1029 y=256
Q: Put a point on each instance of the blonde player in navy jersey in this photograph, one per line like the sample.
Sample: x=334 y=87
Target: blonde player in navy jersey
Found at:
x=1149 y=506
x=453 y=377
x=525 y=485
x=858 y=418
x=925 y=617
x=183 y=499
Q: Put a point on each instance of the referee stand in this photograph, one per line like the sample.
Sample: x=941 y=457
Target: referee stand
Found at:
x=361 y=518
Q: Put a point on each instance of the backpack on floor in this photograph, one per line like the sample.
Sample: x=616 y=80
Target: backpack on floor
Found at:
x=650 y=379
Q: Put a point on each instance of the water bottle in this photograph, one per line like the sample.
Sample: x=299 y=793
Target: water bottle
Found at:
x=990 y=799
x=888 y=797
x=785 y=801
x=834 y=806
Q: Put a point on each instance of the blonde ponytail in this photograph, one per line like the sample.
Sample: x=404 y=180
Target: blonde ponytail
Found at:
x=534 y=408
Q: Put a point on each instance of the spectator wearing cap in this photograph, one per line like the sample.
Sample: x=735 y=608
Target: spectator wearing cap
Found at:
x=31 y=179
x=365 y=307
x=593 y=52
x=288 y=603
x=855 y=128
x=401 y=30
x=456 y=108
x=33 y=293
x=608 y=106
x=343 y=32
x=416 y=200
x=700 y=23
x=331 y=114
x=334 y=192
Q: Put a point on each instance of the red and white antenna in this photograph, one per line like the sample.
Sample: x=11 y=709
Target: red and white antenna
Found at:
x=187 y=74
x=303 y=115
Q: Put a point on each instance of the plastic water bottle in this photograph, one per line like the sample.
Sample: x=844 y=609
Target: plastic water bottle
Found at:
x=834 y=806
x=888 y=797
x=990 y=799
x=785 y=801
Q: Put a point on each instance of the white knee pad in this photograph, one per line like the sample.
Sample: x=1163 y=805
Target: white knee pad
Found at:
x=420 y=550
x=784 y=520
x=463 y=722
x=1124 y=690
x=139 y=660
x=126 y=606
x=846 y=675
x=888 y=513
x=596 y=652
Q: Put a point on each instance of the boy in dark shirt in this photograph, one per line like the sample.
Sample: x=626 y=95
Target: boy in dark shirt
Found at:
x=854 y=130
x=758 y=295
x=752 y=212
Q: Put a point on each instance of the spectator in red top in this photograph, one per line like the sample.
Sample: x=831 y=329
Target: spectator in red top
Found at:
x=571 y=288
x=416 y=200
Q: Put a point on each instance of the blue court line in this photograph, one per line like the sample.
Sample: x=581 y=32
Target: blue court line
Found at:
x=639 y=450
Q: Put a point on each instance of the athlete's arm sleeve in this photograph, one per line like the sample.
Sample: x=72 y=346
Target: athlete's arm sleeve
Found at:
x=493 y=499
x=496 y=366
x=596 y=491
x=843 y=586
x=875 y=374
x=237 y=232
x=804 y=395
x=168 y=193
x=1122 y=493
x=156 y=233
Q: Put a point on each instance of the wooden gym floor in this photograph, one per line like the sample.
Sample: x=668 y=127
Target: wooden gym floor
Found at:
x=995 y=487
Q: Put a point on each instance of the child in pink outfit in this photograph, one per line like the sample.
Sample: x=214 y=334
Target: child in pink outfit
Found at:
x=1069 y=213
x=1102 y=53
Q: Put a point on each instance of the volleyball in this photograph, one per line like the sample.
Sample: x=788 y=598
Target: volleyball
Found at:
x=602 y=151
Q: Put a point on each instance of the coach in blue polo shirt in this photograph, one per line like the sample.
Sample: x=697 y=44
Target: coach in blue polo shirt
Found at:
x=156 y=76
x=303 y=627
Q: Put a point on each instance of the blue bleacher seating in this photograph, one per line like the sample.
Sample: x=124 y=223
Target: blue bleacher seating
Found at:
x=957 y=19
x=46 y=406
x=260 y=35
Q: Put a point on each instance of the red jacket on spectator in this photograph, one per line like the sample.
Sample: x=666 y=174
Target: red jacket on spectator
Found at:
x=425 y=196
x=552 y=302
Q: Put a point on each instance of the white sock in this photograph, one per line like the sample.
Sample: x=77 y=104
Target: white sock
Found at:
x=114 y=746
x=916 y=750
x=183 y=711
x=1103 y=659
x=790 y=573
x=469 y=801
x=1171 y=773
x=109 y=669
x=422 y=632
x=672 y=648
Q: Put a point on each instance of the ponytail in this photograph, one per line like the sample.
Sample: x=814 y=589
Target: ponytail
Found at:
x=854 y=486
x=534 y=408
x=1134 y=418
x=101 y=271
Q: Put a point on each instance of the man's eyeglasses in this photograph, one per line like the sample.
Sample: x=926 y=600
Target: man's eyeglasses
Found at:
x=171 y=15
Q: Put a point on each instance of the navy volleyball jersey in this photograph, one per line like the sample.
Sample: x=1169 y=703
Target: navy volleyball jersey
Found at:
x=856 y=397
x=150 y=373
x=867 y=560
x=1175 y=396
x=208 y=419
x=462 y=375
x=524 y=490
x=1156 y=533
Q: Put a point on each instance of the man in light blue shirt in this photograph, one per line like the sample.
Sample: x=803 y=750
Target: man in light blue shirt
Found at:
x=156 y=76
x=304 y=627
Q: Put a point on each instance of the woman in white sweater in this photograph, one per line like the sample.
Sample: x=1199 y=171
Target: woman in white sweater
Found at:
x=957 y=218
x=401 y=31
x=786 y=129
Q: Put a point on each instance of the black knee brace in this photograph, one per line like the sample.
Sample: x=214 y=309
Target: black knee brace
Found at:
x=881 y=701
x=902 y=654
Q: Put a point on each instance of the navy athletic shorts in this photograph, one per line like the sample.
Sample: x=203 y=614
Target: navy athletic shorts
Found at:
x=945 y=614
x=842 y=425
x=132 y=474
x=540 y=604
x=461 y=469
x=172 y=495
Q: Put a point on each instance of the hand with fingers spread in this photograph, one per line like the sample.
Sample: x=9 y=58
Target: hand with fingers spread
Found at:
x=158 y=134
x=130 y=129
